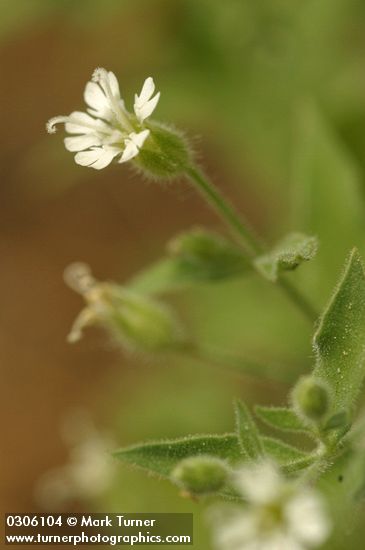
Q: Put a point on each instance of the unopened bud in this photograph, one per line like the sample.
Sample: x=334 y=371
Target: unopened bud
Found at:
x=210 y=255
x=201 y=475
x=311 y=398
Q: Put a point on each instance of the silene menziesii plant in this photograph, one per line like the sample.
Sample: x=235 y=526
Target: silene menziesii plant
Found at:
x=274 y=495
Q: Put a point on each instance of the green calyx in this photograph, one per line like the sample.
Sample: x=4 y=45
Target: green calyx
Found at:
x=140 y=323
x=165 y=154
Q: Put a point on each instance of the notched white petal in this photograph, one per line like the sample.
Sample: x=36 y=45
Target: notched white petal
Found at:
x=80 y=143
x=139 y=138
x=105 y=159
x=114 y=84
x=94 y=96
x=147 y=90
x=146 y=109
x=87 y=158
x=133 y=144
x=97 y=158
x=143 y=104
x=131 y=150
x=80 y=123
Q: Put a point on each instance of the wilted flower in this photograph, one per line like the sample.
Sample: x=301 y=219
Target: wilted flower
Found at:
x=136 y=321
x=279 y=515
x=107 y=130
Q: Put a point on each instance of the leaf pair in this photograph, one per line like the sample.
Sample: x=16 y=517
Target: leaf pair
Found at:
x=161 y=457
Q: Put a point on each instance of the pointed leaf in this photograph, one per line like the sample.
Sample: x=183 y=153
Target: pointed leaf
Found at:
x=339 y=343
x=247 y=433
x=162 y=456
x=338 y=420
x=282 y=452
x=281 y=418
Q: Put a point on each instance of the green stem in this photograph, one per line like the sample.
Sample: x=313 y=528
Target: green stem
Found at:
x=240 y=366
x=298 y=299
x=246 y=237
x=226 y=211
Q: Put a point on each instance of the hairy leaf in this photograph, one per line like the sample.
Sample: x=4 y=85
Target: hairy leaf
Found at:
x=282 y=452
x=293 y=250
x=339 y=343
x=162 y=456
x=247 y=433
x=281 y=418
x=338 y=420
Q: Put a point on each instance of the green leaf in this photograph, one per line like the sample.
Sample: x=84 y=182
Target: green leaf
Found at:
x=282 y=452
x=293 y=250
x=196 y=256
x=339 y=343
x=247 y=433
x=162 y=456
x=281 y=418
x=338 y=420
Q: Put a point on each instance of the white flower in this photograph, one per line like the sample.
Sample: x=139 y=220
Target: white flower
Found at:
x=89 y=471
x=278 y=516
x=107 y=130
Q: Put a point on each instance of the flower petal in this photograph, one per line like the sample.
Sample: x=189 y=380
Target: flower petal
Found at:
x=87 y=158
x=105 y=159
x=147 y=90
x=94 y=97
x=131 y=150
x=97 y=158
x=260 y=483
x=144 y=110
x=140 y=138
x=114 y=84
x=80 y=143
x=307 y=518
x=80 y=123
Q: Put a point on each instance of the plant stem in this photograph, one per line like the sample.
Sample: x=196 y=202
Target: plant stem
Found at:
x=240 y=366
x=298 y=299
x=245 y=235
x=247 y=239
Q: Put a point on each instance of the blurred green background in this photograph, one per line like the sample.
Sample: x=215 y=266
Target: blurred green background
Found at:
x=272 y=94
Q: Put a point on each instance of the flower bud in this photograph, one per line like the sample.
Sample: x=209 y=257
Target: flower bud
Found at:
x=165 y=153
x=136 y=321
x=210 y=255
x=201 y=475
x=311 y=398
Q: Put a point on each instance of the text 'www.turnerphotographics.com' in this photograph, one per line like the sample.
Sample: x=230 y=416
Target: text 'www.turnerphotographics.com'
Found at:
x=93 y=529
